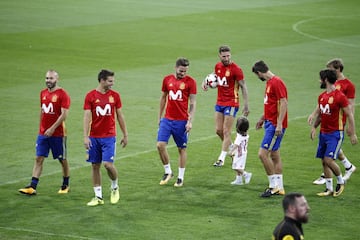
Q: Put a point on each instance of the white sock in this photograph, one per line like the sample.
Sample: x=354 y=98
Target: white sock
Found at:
x=329 y=184
x=222 y=156
x=167 y=169
x=279 y=181
x=98 y=192
x=347 y=164
x=272 y=182
x=114 y=184
x=239 y=178
x=181 y=173
x=340 y=179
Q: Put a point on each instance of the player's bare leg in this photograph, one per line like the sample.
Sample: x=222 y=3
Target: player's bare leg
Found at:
x=163 y=153
x=182 y=164
x=228 y=123
x=219 y=124
x=266 y=161
x=113 y=175
x=165 y=159
x=96 y=178
x=223 y=130
x=111 y=170
x=96 y=174
x=38 y=166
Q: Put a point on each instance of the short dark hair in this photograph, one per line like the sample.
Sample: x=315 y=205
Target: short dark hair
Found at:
x=104 y=74
x=336 y=63
x=242 y=125
x=182 y=62
x=224 y=48
x=328 y=74
x=290 y=199
x=260 y=66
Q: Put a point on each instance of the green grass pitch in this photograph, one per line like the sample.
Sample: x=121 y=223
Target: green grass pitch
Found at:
x=140 y=40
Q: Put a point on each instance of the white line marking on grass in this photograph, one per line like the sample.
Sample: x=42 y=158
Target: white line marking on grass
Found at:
x=46 y=233
x=295 y=28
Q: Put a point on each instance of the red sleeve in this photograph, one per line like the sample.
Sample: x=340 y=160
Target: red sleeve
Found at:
x=281 y=90
x=238 y=73
x=164 y=84
x=118 y=103
x=87 y=101
x=193 y=87
x=351 y=91
x=344 y=102
x=65 y=101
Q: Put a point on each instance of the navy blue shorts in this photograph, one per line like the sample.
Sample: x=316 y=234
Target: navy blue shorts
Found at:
x=174 y=128
x=227 y=110
x=270 y=141
x=330 y=144
x=57 y=145
x=102 y=149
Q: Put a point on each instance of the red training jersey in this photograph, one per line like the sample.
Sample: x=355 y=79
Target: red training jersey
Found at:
x=331 y=113
x=178 y=91
x=274 y=91
x=51 y=104
x=346 y=87
x=103 y=107
x=228 y=84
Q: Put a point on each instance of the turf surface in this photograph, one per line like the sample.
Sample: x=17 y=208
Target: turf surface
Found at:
x=140 y=41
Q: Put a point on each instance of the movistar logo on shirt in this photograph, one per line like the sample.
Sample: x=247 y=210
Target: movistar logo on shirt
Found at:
x=103 y=111
x=175 y=96
x=325 y=109
x=47 y=109
x=222 y=81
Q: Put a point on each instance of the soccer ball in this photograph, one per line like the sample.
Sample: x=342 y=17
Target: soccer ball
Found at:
x=211 y=80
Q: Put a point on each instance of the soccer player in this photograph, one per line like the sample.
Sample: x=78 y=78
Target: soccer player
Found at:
x=239 y=152
x=54 y=108
x=296 y=211
x=178 y=100
x=332 y=104
x=348 y=88
x=230 y=78
x=274 y=120
x=101 y=106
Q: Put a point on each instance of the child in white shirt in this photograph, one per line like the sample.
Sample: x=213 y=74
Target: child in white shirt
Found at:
x=239 y=152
